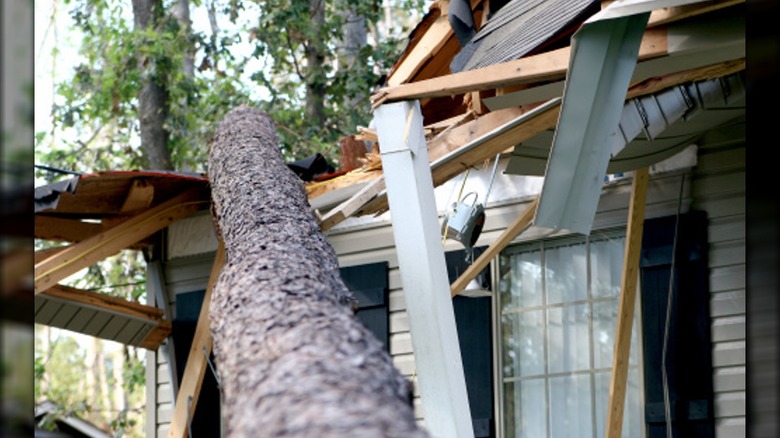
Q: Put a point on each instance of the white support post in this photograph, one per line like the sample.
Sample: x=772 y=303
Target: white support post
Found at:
x=423 y=270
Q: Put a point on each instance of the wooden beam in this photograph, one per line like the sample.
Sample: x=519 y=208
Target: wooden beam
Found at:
x=654 y=85
x=512 y=231
x=453 y=139
x=43 y=254
x=626 y=305
x=189 y=391
x=80 y=255
x=64 y=230
x=139 y=197
x=548 y=66
x=426 y=48
x=352 y=205
x=668 y=15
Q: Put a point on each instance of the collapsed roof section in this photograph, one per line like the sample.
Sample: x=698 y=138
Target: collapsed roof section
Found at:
x=684 y=41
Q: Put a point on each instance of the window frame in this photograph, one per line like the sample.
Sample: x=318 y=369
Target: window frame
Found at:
x=496 y=332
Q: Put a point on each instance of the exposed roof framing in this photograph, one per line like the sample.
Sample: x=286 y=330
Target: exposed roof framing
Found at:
x=102 y=214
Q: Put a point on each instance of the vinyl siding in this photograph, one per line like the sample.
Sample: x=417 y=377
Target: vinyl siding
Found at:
x=719 y=188
x=716 y=185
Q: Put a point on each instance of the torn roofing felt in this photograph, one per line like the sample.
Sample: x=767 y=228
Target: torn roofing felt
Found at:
x=519 y=28
x=47 y=197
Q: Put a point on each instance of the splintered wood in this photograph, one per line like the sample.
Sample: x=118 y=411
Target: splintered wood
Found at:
x=292 y=358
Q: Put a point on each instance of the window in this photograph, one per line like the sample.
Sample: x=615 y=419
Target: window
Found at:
x=557 y=307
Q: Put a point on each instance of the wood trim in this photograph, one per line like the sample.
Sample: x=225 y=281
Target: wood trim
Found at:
x=157 y=336
x=548 y=66
x=626 y=305
x=80 y=255
x=352 y=205
x=656 y=84
x=196 y=365
x=512 y=231
x=103 y=302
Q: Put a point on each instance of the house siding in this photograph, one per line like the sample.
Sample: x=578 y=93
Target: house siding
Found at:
x=719 y=188
x=716 y=185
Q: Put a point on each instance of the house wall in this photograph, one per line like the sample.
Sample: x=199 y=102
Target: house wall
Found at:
x=716 y=185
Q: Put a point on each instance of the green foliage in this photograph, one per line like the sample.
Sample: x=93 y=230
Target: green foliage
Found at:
x=98 y=106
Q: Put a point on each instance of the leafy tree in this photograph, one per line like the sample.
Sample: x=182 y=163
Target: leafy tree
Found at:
x=138 y=89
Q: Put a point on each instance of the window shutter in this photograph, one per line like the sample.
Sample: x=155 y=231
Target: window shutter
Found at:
x=370 y=285
x=473 y=321
x=689 y=357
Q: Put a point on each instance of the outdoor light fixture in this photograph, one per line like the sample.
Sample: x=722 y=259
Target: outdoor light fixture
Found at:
x=464 y=224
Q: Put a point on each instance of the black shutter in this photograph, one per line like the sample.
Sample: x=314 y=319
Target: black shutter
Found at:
x=689 y=357
x=370 y=285
x=473 y=320
x=206 y=419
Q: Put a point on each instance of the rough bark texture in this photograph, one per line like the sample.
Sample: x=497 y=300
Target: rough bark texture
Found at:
x=292 y=357
x=316 y=51
x=153 y=97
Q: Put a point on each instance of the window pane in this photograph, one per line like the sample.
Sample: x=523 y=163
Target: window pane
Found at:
x=523 y=337
x=604 y=320
x=606 y=265
x=525 y=409
x=522 y=286
x=566 y=273
x=632 y=411
x=568 y=346
x=570 y=406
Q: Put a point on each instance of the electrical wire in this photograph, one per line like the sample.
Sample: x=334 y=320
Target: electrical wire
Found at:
x=669 y=302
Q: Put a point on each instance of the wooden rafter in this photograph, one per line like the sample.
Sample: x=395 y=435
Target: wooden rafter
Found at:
x=548 y=66
x=426 y=48
x=75 y=257
x=195 y=369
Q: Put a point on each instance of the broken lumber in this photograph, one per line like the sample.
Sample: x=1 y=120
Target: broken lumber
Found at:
x=293 y=360
x=627 y=299
x=548 y=66
x=78 y=256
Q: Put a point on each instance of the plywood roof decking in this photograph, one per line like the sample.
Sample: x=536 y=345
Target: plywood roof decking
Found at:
x=103 y=194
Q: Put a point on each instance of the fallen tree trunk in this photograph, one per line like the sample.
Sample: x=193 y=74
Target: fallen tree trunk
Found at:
x=293 y=360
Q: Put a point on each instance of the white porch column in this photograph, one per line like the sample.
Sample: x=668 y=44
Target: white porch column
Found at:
x=423 y=270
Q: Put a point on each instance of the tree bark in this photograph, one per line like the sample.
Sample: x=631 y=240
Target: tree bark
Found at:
x=293 y=359
x=315 y=65
x=153 y=97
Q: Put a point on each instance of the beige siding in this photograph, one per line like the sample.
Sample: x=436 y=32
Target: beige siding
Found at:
x=719 y=188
